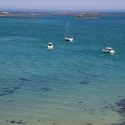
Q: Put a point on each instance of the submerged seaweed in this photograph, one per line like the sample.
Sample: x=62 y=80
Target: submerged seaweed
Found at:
x=24 y=79
x=85 y=82
x=121 y=104
x=123 y=123
x=7 y=90
x=46 y=89
x=89 y=124
x=16 y=122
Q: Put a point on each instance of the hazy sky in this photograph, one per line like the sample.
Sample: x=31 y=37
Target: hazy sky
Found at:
x=63 y=5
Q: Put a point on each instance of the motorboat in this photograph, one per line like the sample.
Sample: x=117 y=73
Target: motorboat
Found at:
x=50 y=45
x=108 y=50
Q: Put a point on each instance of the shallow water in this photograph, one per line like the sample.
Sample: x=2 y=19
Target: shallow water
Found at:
x=75 y=83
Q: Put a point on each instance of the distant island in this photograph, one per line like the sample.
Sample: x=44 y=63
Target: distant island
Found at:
x=77 y=15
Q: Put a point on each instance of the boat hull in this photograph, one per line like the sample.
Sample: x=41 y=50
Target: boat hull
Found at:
x=108 y=50
x=68 y=39
x=50 y=46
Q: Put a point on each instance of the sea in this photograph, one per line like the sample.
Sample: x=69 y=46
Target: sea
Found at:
x=74 y=83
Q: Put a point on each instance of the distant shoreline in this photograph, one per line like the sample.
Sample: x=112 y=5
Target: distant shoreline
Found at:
x=77 y=15
x=7 y=13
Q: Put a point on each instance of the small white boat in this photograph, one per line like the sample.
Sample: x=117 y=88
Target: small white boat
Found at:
x=108 y=50
x=67 y=37
x=50 y=45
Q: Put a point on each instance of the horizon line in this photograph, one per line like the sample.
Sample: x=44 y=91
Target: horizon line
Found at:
x=59 y=10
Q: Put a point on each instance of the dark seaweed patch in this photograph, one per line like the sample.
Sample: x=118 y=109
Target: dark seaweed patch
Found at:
x=121 y=104
x=105 y=107
x=85 y=82
x=24 y=79
x=46 y=89
x=7 y=90
x=10 y=101
x=123 y=123
x=89 y=124
x=16 y=122
x=80 y=102
x=105 y=101
x=13 y=121
x=3 y=94
x=16 y=87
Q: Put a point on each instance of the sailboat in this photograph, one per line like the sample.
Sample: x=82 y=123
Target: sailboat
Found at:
x=67 y=37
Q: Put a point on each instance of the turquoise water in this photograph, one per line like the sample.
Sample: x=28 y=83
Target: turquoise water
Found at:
x=73 y=84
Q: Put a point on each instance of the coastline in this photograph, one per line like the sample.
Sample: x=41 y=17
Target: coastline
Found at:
x=78 y=15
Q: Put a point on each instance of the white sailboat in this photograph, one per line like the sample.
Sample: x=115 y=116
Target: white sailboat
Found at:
x=67 y=37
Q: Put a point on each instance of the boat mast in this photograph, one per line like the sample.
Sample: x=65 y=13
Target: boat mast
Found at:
x=66 y=32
